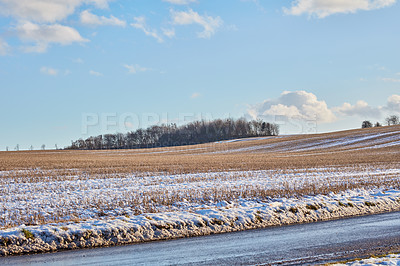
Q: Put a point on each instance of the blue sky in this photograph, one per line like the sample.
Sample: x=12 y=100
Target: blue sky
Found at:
x=70 y=69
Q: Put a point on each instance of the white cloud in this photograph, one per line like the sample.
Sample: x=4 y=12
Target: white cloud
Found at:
x=361 y=108
x=133 y=69
x=45 y=10
x=324 y=8
x=284 y=110
x=43 y=35
x=393 y=103
x=195 y=95
x=140 y=23
x=88 y=18
x=300 y=105
x=390 y=80
x=170 y=33
x=209 y=24
x=94 y=73
x=304 y=106
x=180 y=2
x=49 y=71
x=38 y=20
x=4 y=47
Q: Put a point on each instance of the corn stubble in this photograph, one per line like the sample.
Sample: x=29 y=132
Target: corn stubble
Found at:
x=337 y=169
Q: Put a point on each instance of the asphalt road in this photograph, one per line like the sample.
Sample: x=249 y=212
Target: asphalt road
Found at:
x=297 y=244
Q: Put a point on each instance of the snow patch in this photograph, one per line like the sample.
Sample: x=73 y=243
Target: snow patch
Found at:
x=224 y=216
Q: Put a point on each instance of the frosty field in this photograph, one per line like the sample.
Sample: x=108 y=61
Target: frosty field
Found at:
x=128 y=195
x=391 y=259
x=51 y=200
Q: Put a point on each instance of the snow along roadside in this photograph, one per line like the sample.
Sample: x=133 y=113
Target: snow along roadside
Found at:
x=391 y=259
x=203 y=220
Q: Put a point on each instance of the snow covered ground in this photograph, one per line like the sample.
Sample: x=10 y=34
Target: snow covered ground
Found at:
x=67 y=208
x=357 y=141
x=81 y=197
x=84 y=211
x=392 y=259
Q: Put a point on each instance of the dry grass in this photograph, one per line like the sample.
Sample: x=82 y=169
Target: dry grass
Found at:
x=82 y=198
x=199 y=158
x=149 y=186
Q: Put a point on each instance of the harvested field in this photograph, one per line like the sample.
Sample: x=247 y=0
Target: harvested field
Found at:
x=347 y=148
x=38 y=187
x=52 y=200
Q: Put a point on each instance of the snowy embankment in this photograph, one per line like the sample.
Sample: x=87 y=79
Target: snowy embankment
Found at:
x=201 y=219
x=392 y=259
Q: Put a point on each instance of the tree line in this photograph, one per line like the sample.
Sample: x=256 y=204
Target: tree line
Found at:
x=172 y=135
x=390 y=121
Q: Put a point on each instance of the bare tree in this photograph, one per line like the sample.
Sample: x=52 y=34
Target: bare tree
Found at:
x=7 y=148
x=43 y=147
x=392 y=120
x=171 y=135
x=17 y=147
x=377 y=124
x=56 y=146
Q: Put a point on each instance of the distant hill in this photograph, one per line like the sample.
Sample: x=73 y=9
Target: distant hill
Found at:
x=349 y=140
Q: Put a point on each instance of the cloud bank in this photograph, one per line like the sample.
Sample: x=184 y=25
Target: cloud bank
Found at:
x=361 y=108
x=41 y=21
x=324 y=8
x=45 y=11
x=299 y=105
x=305 y=106
x=44 y=35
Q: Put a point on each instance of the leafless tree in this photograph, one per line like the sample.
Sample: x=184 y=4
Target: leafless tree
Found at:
x=392 y=120
x=171 y=135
